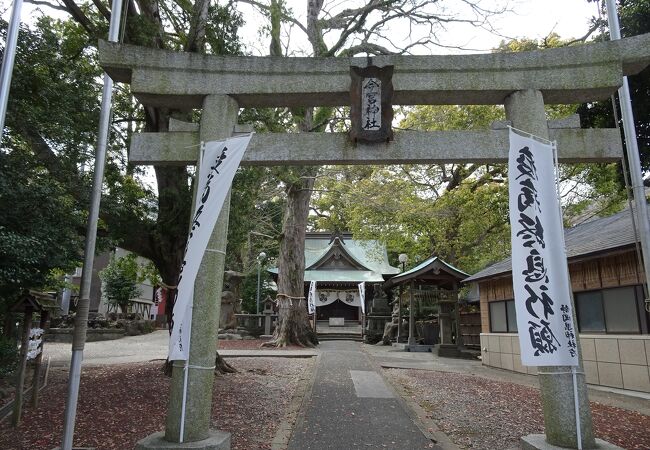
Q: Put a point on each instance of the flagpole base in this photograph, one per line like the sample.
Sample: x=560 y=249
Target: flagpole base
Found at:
x=216 y=440
x=538 y=442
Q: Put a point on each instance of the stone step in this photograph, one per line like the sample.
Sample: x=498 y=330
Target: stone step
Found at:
x=340 y=337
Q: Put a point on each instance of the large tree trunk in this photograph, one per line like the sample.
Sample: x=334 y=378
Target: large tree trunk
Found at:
x=293 y=322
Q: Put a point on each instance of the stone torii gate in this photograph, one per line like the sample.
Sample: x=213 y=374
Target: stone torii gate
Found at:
x=220 y=85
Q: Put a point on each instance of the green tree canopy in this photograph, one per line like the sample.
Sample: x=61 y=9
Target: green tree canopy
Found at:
x=119 y=281
x=39 y=226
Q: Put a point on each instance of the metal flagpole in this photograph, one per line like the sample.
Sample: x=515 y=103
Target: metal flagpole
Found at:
x=81 y=320
x=8 y=61
x=632 y=149
x=576 y=403
x=185 y=380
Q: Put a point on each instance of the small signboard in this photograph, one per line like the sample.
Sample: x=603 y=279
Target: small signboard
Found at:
x=371 y=109
x=35 y=345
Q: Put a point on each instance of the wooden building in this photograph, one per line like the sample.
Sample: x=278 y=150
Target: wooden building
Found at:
x=338 y=263
x=613 y=320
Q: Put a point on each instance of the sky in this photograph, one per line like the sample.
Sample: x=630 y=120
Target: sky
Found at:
x=527 y=18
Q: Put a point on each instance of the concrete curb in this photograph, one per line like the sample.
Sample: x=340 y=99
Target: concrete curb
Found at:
x=293 y=415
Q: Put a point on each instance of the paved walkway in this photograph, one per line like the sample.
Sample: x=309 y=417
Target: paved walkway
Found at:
x=125 y=350
x=351 y=406
x=147 y=347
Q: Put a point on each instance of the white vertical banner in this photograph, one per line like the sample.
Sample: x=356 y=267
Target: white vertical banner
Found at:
x=362 y=295
x=539 y=268
x=219 y=163
x=311 y=298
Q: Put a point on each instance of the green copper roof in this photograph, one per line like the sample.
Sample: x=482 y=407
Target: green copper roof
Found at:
x=426 y=266
x=339 y=276
x=370 y=254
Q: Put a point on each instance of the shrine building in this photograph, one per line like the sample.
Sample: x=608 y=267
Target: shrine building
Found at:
x=338 y=263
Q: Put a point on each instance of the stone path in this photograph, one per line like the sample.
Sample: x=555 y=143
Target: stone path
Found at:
x=351 y=406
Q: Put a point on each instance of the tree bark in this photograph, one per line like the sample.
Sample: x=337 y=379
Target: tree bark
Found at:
x=293 y=324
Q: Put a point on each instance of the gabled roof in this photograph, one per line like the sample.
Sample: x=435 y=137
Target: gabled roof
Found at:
x=343 y=276
x=584 y=240
x=36 y=301
x=430 y=268
x=337 y=250
x=362 y=260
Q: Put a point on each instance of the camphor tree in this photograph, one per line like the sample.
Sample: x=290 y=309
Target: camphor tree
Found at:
x=361 y=28
x=53 y=115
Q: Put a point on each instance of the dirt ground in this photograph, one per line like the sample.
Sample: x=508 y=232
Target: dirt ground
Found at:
x=480 y=413
x=122 y=403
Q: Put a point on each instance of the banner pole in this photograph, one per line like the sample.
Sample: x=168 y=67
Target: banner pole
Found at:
x=576 y=401
x=185 y=379
x=577 y=407
x=81 y=320
x=632 y=150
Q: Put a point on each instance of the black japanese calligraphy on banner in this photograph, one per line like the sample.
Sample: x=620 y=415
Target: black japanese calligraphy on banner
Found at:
x=220 y=162
x=539 y=270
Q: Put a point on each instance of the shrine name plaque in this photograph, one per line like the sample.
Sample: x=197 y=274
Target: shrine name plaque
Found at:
x=371 y=109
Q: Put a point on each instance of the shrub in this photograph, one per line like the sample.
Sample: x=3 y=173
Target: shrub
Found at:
x=8 y=356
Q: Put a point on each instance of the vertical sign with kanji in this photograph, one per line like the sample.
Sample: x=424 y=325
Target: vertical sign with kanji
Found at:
x=371 y=109
x=539 y=269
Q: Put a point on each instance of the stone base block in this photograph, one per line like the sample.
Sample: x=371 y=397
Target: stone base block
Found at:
x=217 y=440
x=448 y=351
x=538 y=442
x=419 y=348
x=266 y=337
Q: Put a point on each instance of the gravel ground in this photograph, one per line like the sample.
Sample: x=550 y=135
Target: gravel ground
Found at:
x=121 y=404
x=479 y=413
x=133 y=349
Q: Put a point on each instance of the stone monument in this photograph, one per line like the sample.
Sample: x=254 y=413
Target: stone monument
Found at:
x=379 y=313
x=230 y=300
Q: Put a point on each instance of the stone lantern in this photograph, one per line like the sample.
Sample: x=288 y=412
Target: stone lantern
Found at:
x=267 y=310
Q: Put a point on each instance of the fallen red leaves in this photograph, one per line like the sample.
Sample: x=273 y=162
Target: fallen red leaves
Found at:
x=121 y=404
x=486 y=414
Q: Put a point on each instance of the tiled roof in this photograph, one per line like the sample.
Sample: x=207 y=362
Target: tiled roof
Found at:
x=596 y=236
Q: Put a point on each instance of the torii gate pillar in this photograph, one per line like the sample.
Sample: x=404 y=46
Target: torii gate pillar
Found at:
x=218 y=119
x=525 y=109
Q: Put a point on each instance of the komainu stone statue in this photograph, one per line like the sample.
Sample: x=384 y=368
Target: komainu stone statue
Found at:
x=230 y=299
x=390 y=329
